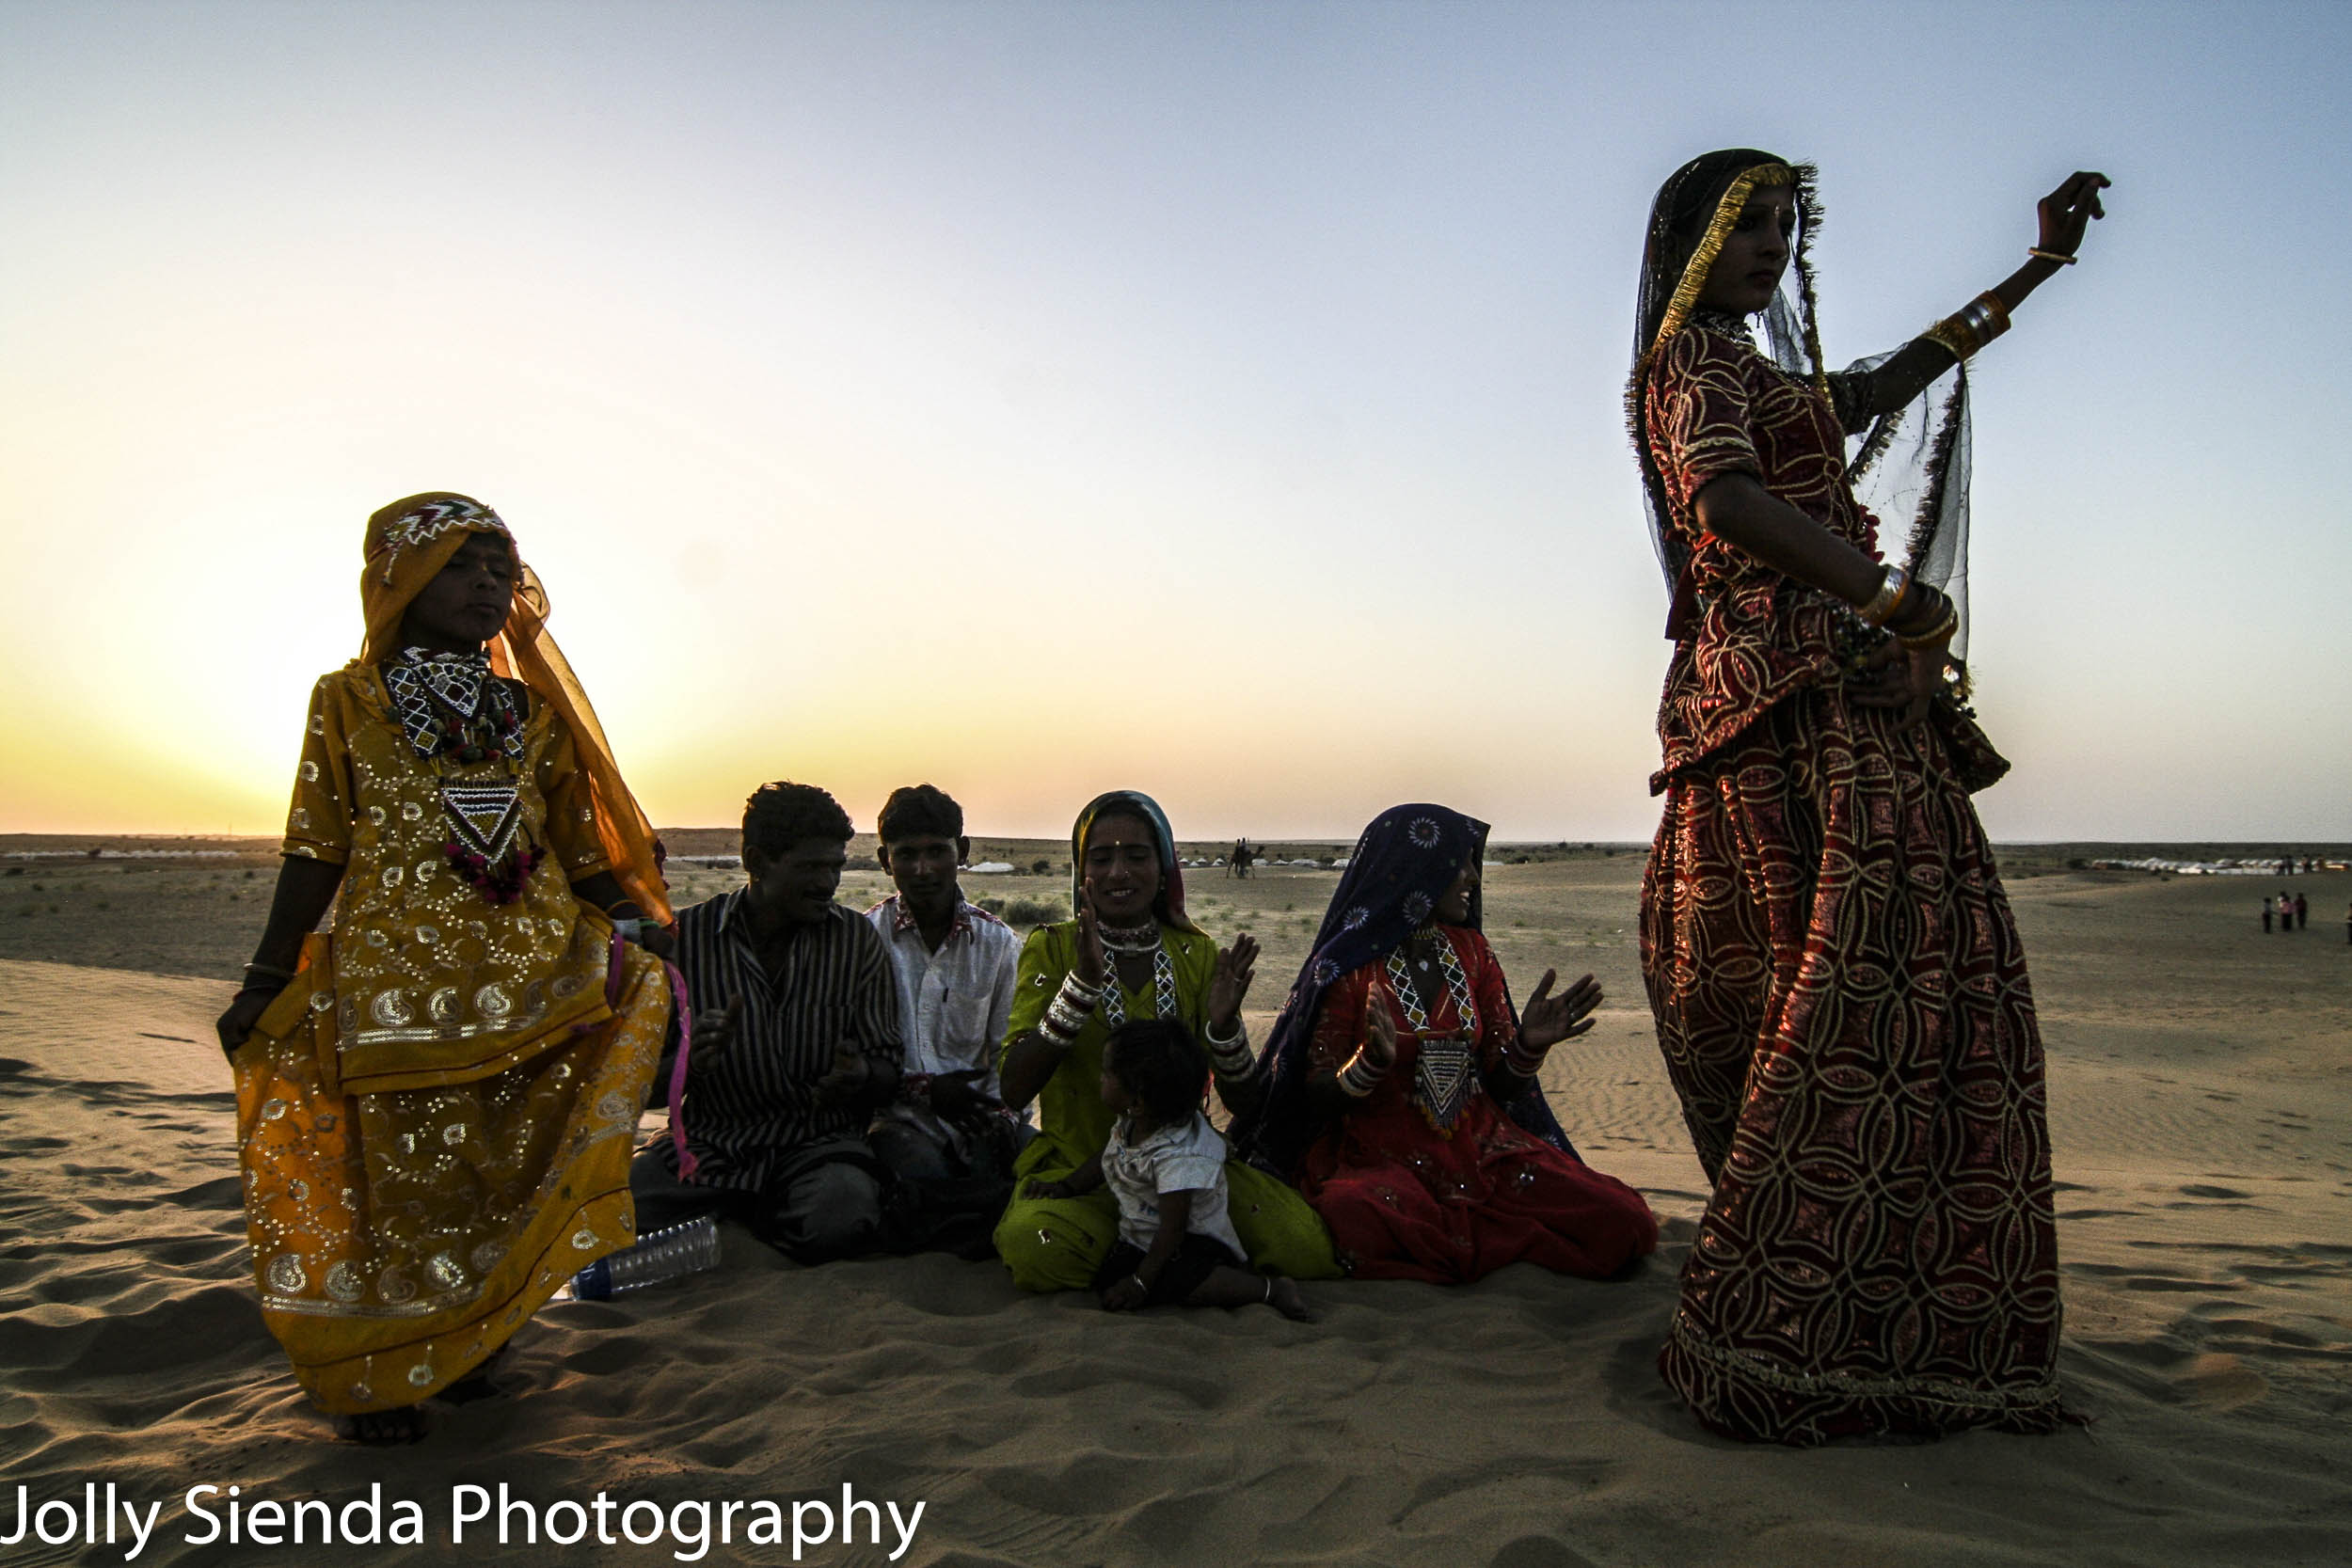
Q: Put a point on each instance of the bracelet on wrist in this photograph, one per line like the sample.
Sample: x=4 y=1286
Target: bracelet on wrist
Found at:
x=2061 y=258
x=1944 y=626
x=1894 y=587
x=1970 y=328
x=1927 y=606
x=1358 y=1077
x=1521 y=1059
x=285 y=975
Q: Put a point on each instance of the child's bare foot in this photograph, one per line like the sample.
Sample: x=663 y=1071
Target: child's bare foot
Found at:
x=1286 y=1299
x=381 y=1429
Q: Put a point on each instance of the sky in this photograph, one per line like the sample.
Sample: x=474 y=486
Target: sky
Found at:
x=1222 y=401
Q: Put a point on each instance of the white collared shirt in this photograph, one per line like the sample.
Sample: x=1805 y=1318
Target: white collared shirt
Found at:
x=955 y=1004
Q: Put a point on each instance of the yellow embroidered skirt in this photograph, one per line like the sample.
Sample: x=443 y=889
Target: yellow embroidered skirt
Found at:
x=400 y=1238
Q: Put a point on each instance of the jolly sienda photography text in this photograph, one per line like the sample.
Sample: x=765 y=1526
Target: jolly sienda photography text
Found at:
x=104 y=1516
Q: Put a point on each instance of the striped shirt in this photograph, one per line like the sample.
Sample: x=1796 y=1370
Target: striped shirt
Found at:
x=751 y=1112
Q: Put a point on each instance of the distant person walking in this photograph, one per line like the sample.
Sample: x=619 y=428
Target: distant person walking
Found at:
x=2265 y=914
x=2303 y=912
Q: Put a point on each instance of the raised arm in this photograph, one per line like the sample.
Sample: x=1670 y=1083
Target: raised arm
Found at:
x=2063 y=219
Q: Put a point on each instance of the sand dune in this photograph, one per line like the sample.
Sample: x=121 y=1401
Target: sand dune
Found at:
x=2199 y=1085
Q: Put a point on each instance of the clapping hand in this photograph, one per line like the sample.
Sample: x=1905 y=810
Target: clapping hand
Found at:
x=1091 y=966
x=1379 y=1047
x=1236 y=967
x=1547 y=1019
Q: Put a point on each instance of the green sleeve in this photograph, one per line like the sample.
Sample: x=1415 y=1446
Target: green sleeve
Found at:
x=1045 y=957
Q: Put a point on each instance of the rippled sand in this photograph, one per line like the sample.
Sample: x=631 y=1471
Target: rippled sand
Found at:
x=2201 y=1076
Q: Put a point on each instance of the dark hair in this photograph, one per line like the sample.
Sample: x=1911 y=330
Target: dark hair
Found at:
x=1157 y=1060
x=918 y=810
x=778 y=816
x=1689 y=199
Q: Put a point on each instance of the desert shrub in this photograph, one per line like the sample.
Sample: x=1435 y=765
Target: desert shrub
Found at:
x=993 y=905
x=1031 y=911
x=1040 y=869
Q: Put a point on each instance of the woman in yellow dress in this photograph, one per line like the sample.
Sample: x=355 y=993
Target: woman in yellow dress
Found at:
x=435 y=1096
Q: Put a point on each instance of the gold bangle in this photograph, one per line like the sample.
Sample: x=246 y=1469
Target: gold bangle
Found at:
x=1944 y=626
x=1893 y=588
x=2059 y=256
x=1953 y=337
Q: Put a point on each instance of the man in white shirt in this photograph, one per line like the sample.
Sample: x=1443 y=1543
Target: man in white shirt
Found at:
x=947 y=1136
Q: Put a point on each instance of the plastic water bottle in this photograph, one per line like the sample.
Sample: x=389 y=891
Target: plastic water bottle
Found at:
x=680 y=1250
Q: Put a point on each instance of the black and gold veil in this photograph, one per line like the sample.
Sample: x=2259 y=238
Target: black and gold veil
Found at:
x=1908 y=468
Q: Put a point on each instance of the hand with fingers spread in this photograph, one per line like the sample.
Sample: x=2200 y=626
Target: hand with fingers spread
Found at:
x=1547 y=1020
x=1236 y=967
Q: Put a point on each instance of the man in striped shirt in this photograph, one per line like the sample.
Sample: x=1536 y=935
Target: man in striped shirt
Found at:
x=795 y=1044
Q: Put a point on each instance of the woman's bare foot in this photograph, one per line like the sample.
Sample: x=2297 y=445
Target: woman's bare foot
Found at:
x=479 y=1383
x=1287 y=1300
x=381 y=1429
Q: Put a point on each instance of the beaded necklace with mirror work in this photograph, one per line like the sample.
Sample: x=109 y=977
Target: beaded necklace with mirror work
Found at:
x=1445 y=1068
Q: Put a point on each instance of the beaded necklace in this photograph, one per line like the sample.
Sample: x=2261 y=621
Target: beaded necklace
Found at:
x=1445 y=1070
x=454 y=710
x=1163 y=991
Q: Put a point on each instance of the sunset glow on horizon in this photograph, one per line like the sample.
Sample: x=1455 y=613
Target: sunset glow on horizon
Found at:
x=1219 y=401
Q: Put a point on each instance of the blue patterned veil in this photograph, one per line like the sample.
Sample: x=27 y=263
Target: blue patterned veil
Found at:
x=1401 y=865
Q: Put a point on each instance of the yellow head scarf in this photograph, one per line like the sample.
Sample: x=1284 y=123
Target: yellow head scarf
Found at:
x=408 y=543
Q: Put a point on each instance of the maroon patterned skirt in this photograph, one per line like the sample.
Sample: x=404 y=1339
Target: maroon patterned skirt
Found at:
x=1843 y=1006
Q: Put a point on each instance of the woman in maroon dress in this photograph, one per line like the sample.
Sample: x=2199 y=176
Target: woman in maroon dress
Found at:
x=1840 y=993
x=1400 y=1081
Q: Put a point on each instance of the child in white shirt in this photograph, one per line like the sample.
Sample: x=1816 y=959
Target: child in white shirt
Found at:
x=1165 y=1165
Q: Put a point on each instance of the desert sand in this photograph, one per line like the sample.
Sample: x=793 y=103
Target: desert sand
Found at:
x=2200 y=1080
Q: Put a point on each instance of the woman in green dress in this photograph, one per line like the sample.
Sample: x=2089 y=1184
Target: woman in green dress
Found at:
x=1129 y=953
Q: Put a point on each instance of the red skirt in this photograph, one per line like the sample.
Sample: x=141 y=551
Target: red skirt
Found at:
x=1404 y=1201
x=1842 y=1003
